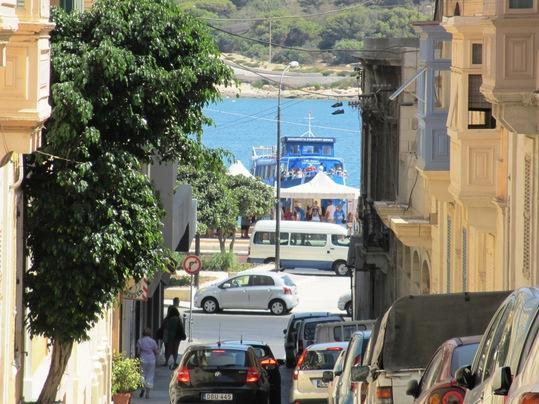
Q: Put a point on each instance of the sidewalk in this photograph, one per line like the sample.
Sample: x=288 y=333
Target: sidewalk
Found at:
x=159 y=394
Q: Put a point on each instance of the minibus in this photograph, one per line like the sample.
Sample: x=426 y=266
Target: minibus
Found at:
x=303 y=245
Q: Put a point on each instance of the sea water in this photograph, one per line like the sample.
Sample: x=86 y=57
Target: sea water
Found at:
x=240 y=124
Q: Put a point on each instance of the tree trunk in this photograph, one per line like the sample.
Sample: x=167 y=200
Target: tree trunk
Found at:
x=231 y=249
x=60 y=356
x=222 y=242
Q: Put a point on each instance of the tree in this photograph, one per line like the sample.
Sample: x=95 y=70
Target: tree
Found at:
x=129 y=81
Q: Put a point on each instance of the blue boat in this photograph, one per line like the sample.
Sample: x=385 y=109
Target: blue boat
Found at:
x=302 y=157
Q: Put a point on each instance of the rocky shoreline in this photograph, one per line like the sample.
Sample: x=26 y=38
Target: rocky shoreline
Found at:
x=246 y=90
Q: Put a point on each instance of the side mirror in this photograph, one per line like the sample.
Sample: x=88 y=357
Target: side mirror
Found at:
x=501 y=381
x=360 y=373
x=465 y=378
x=327 y=376
x=412 y=389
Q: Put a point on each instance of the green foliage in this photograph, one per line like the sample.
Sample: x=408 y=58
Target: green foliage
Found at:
x=348 y=56
x=219 y=7
x=222 y=262
x=126 y=374
x=253 y=197
x=181 y=281
x=129 y=81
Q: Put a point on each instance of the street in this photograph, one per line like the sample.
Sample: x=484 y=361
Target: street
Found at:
x=318 y=291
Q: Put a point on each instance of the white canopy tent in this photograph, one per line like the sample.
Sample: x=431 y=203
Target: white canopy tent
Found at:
x=320 y=187
x=239 y=169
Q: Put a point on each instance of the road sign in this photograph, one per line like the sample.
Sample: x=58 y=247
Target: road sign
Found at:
x=192 y=264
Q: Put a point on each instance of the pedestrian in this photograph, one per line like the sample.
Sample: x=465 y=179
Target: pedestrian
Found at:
x=173 y=332
x=315 y=212
x=338 y=216
x=147 y=352
x=330 y=212
x=300 y=212
x=176 y=302
x=308 y=216
x=245 y=223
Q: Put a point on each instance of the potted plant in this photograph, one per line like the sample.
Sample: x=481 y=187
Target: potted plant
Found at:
x=126 y=378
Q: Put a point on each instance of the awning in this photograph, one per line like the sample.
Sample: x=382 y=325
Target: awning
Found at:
x=239 y=169
x=399 y=90
x=321 y=187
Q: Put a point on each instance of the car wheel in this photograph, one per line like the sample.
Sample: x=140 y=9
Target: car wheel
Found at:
x=348 y=308
x=340 y=268
x=277 y=307
x=210 y=305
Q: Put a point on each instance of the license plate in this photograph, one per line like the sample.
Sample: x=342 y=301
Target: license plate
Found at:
x=321 y=384
x=217 y=397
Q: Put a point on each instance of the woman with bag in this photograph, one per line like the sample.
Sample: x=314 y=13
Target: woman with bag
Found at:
x=147 y=351
x=173 y=333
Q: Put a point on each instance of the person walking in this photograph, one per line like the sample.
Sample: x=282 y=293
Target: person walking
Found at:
x=330 y=212
x=315 y=212
x=338 y=216
x=147 y=351
x=173 y=332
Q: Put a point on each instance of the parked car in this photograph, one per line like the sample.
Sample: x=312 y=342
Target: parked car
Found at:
x=256 y=290
x=345 y=388
x=219 y=372
x=308 y=385
x=497 y=359
x=408 y=334
x=291 y=331
x=525 y=386
x=332 y=377
x=340 y=331
x=306 y=330
x=303 y=245
x=345 y=303
x=438 y=382
x=268 y=362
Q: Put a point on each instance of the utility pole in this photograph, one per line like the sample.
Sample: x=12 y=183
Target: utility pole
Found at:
x=270 y=40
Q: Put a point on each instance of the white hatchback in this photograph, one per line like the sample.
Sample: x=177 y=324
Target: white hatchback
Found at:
x=260 y=290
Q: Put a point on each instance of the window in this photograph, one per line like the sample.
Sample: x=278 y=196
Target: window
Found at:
x=239 y=282
x=340 y=240
x=520 y=4
x=268 y=238
x=433 y=370
x=344 y=332
x=326 y=150
x=477 y=53
x=216 y=357
x=320 y=360
x=441 y=49
x=20 y=3
x=67 y=5
x=308 y=239
x=288 y=281
x=479 y=109
x=261 y=280
x=462 y=356
x=442 y=88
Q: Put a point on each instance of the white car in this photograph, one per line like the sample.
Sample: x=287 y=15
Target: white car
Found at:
x=345 y=303
x=256 y=290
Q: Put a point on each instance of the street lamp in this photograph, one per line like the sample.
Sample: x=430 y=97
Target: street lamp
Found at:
x=290 y=65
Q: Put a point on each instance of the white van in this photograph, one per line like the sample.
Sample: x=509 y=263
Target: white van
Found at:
x=303 y=245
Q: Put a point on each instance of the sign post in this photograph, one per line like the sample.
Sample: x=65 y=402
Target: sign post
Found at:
x=192 y=265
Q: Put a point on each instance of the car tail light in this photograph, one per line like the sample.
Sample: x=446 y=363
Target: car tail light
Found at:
x=268 y=362
x=446 y=396
x=287 y=291
x=252 y=376
x=298 y=365
x=218 y=351
x=184 y=376
x=384 y=395
x=529 y=398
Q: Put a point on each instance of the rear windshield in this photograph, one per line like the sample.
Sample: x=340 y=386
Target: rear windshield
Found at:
x=344 y=333
x=288 y=281
x=211 y=358
x=310 y=328
x=262 y=350
x=320 y=360
x=462 y=356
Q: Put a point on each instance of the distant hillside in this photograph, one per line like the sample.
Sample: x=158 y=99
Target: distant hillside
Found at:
x=309 y=31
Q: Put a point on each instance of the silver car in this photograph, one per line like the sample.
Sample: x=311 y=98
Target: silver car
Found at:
x=307 y=380
x=262 y=290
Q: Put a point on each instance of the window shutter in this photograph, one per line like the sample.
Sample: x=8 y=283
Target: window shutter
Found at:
x=448 y=256
x=464 y=260
x=528 y=192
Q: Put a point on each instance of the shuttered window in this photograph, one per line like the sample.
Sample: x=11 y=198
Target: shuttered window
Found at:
x=448 y=256
x=528 y=192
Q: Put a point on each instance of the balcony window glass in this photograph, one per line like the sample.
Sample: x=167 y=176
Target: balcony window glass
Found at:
x=67 y=5
x=479 y=109
x=516 y=4
x=441 y=49
x=20 y=3
x=477 y=54
x=442 y=88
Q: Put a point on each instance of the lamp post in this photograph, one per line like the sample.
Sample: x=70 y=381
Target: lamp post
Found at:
x=290 y=65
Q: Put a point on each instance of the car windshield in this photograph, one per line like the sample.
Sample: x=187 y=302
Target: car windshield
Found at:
x=211 y=358
x=320 y=360
x=462 y=356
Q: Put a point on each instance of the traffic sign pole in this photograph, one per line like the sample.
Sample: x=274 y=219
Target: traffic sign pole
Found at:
x=190 y=339
x=192 y=265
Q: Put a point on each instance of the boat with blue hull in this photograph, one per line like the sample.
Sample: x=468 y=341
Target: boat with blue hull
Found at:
x=302 y=157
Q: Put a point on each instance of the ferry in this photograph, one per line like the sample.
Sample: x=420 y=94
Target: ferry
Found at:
x=302 y=157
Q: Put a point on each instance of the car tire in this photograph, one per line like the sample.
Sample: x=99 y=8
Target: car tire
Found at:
x=210 y=305
x=340 y=268
x=348 y=308
x=277 y=307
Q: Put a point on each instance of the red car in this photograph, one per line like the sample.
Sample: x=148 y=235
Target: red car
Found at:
x=438 y=385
